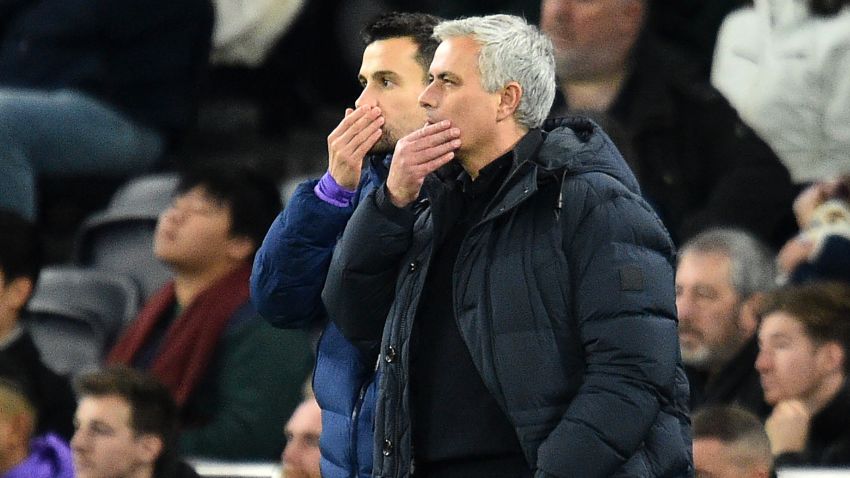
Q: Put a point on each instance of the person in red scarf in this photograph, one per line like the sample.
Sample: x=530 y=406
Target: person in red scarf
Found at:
x=235 y=378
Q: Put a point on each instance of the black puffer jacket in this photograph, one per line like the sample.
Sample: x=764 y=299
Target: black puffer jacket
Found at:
x=563 y=295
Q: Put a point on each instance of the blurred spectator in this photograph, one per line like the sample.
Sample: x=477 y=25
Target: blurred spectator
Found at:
x=20 y=261
x=21 y=455
x=785 y=66
x=235 y=378
x=301 y=457
x=246 y=31
x=697 y=164
x=804 y=339
x=822 y=249
x=721 y=276
x=126 y=427
x=730 y=442
x=691 y=25
x=94 y=87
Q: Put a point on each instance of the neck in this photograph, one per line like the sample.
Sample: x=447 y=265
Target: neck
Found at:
x=593 y=94
x=504 y=140
x=188 y=284
x=821 y=397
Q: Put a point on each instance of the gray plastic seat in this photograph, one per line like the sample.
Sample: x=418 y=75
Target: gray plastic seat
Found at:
x=120 y=238
x=75 y=315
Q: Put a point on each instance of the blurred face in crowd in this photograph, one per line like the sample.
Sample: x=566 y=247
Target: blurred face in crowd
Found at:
x=16 y=428
x=301 y=456
x=456 y=94
x=714 y=458
x=392 y=80
x=709 y=308
x=13 y=297
x=194 y=233
x=792 y=365
x=591 y=37
x=106 y=446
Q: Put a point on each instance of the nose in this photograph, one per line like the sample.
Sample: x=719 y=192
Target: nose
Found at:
x=78 y=440
x=290 y=453
x=366 y=98
x=427 y=99
x=763 y=361
x=684 y=307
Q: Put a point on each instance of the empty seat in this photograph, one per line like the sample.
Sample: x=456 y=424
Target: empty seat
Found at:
x=120 y=238
x=75 y=314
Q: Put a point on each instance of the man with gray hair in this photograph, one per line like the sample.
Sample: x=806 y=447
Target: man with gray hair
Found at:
x=721 y=277
x=523 y=287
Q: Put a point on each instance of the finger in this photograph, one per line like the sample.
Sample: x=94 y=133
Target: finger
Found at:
x=438 y=138
x=428 y=130
x=434 y=164
x=439 y=149
x=364 y=134
x=366 y=145
x=348 y=111
x=372 y=119
x=352 y=118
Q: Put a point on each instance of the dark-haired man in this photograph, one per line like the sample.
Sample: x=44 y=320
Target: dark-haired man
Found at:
x=126 y=427
x=234 y=377
x=730 y=442
x=291 y=266
x=20 y=262
x=804 y=345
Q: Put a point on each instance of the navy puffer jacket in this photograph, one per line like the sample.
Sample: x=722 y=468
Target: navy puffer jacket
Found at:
x=563 y=295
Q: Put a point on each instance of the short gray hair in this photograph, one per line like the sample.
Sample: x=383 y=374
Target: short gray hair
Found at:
x=751 y=263
x=511 y=50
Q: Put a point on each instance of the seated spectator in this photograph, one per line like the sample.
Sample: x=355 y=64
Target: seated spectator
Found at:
x=804 y=339
x=721 y=276
x=696 y=163
x=22 y=455
x=235 y=377
x=301 y=457
x=785 y=66
x=822 y=249
x=94 y=87
x=126 y=425
x=20 y=261
x=246 y=31
x=730 y=442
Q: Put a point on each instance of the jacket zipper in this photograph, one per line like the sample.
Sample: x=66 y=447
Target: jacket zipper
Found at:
x=355 y=414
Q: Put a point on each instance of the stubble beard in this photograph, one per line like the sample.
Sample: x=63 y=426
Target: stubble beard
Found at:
x=385 y=145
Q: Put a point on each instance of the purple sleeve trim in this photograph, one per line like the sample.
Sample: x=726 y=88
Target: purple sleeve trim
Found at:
x=332 y=193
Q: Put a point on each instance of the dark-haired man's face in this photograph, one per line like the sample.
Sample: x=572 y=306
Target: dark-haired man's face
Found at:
x=392 y=80
x=104 y=443
x=194 y=233
x=13 y=296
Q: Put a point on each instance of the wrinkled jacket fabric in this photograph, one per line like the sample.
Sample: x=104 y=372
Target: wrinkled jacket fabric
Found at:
x=563 y=294
x=286 y=286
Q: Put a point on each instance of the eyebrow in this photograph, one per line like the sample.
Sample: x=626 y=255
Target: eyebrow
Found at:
x=380 y=74
x=447 y=75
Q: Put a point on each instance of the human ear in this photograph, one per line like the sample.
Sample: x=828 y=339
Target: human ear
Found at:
x=509 y=99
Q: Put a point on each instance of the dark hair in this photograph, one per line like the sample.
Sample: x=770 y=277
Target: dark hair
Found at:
x=827 y=7
x=152 y=408
x=253 y=200
x=823 y=308
x=726 y=423
x=737 y=427
x=20 y=247
x=417 y=26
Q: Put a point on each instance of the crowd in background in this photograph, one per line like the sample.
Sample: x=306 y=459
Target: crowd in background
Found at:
x=734 y=117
